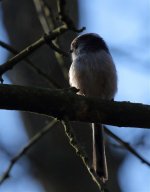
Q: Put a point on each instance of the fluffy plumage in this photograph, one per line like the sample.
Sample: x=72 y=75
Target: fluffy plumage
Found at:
x=93 y=72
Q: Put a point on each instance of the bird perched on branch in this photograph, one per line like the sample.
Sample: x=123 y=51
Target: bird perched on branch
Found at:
x=93 y=72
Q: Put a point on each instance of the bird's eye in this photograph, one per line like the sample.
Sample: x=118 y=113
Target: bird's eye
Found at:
x=71 y=51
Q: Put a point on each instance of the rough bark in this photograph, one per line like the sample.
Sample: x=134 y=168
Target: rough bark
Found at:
x=65 y=103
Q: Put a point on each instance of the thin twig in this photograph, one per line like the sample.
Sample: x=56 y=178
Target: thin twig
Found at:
x=58 y=50
x=61 y=4
x=32 y=142
x=64 y=18
x=126 y=146
x=30 y=49
x=59 y=57
x=46 y=17
x=47 y=21
x=49 y=15
x=33 y=66
x=40 y=13
x=79 y=151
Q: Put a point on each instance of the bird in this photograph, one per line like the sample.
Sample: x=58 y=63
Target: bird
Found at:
x=94 y=73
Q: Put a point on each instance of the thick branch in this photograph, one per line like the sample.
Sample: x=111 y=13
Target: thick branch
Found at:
x=60 y=103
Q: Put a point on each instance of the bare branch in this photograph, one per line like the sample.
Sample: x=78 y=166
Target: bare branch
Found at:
x=47 y=77
x=79 y=151
x=9 y=48
x=58 y=50
x=126 y=146
x=30 y=49
x=61 y=4
x=32 y=142
x=48 y=23
x=40 y=13
x=60 y=103
x=49 y=15
x=59 y=53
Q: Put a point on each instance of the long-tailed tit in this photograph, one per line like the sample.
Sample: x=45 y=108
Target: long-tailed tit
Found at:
x=93 y=72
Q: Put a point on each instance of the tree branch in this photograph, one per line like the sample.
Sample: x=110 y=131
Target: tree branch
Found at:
x=39 y=8
x=60 y=103
x=126 y=146
x=32 y=141
x=47 y=77
x=30 y=49
x=58 y=50
x=47 y=38
x=80 y=152
x=61 y=5
x=39 y=5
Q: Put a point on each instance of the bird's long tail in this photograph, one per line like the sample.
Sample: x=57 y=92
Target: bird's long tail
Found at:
x=99 y=157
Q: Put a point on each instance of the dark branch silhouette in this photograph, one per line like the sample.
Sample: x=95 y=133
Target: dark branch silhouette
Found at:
x=32 y=142
x=126 y=146
x=61 y=5
x=44 y=75
x=30 y=49
x=80 y=152
x=60 y=103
